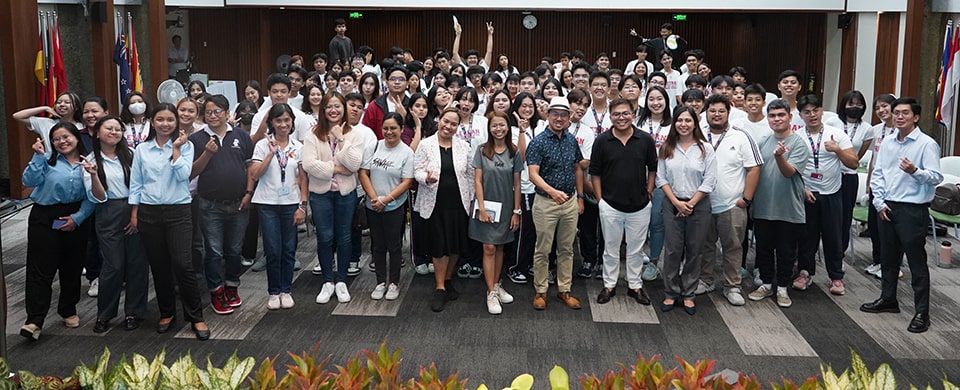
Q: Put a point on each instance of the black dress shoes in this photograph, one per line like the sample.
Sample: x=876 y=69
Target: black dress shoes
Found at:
x=640 y=296
x=880 y=306
x=201 y=334
x=920 y=323
x=101 y=326
x=164 y=328
x=606 y=294
x=131 y=323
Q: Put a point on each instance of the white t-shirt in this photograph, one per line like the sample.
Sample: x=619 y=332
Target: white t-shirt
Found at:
x=673 y=88
x=592 y=116
x=657 y=131
x=180 y=54
x=136 y=134
x=859 y=134
x=474 y=131
x=759 y=131
x=295 y=102
x=302 y=123
x=633 y=65
x=527 y=187
x=735 y=151
x=369 y=145
x=822 y=172
x=271 y=189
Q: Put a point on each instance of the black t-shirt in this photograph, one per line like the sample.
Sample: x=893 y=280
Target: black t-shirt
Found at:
x=225 y=177
x=623 y=169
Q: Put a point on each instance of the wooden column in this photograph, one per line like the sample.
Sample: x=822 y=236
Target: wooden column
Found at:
x=18 y=41
x=103 y=36
x=910 y=82
x=158 y=46
x=848 y=57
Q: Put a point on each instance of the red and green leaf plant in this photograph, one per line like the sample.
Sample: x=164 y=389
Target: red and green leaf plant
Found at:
x=648 y=374
x=611 y=380
x=430 y=380
x=384 y=367
x=306 y=372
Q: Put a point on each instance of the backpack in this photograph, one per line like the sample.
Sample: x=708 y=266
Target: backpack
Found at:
x=946 y=199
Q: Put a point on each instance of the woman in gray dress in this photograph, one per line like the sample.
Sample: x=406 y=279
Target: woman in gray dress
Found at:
x=497 y=165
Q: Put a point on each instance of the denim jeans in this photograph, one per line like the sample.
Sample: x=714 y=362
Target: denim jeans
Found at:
x=279 y=245
x=656 y=225
x=223 y=229
x=333 y=217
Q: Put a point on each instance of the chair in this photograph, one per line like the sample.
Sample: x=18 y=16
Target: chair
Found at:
x=859 y=212
x=950 y=165
x=936 y=216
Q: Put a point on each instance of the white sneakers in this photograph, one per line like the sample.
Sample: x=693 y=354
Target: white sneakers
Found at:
x=493 y=303
x=379 y=292
x=343 y=296
x=393 y=292
x=783 y=300
x=94 y=288
x=325 y=293
x=502 y=294
x=734 y=296
x=286 y=301
x=274 y=302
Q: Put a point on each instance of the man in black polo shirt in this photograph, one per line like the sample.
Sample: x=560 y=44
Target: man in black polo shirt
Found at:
x=221 y=167
x=623 y=169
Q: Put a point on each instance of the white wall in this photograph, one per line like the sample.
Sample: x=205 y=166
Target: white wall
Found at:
x=950 y=6
x=866 y=55
x=831 y=69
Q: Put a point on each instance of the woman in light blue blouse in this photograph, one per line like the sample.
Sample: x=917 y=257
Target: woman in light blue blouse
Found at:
x=55 y=231
x=160 y=196
x=124 y=269
x=687 y=173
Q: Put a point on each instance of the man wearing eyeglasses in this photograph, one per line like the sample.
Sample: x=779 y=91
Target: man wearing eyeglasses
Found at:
x=389 y=102
x=623 y=169
x=221 y=172
x=553 y=158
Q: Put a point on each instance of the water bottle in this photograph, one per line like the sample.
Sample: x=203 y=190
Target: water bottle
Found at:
x=946 y=252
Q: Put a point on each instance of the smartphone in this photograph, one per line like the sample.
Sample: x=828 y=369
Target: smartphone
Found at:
x=59 y=223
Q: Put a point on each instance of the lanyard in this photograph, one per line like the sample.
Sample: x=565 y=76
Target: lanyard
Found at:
x=854 y=132
x=466 y=131
x=333 y=145
x=137 y=132
x=577 y=130
x=719 y=140
x=599 y=119
x=282 y=162
x=650 y=127
x=816 y=149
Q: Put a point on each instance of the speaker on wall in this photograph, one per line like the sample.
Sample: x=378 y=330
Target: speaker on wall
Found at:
x=843 y=21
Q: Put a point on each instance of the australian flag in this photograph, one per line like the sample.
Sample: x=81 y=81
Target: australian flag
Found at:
x=120 y=58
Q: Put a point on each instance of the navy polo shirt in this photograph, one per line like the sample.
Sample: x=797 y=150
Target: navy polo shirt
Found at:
x=556 y=156
x=225 y=178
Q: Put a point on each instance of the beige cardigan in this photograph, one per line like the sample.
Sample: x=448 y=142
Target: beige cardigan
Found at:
x=427 y=159
x=319 y=161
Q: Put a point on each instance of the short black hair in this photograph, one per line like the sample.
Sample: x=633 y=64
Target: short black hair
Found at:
x=720 y=80
x=692 y=95
x=471 y=52
x=789 y=73
x=339 y=21
x=778 y=104
x=579 y=54
x=717 y=98
x=695 y=78
x=914 y=105
x=755 y=89
x=695 y=53
x=666 y=26
x=738 y=69
x=320 y=56
x=278 y=78
x=809 y=100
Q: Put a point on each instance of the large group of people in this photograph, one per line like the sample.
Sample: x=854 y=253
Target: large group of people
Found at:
x=499 y=172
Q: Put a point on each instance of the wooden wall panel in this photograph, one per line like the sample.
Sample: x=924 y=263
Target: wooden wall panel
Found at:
x=848 y=57
x=791 y=41
x=888 y=35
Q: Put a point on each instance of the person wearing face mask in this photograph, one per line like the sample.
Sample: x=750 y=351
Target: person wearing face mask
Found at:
x=243 y=115
x=850 y=112
x=134 y=119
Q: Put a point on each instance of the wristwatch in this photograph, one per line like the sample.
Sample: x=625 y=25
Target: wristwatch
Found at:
x=303 y=206
x=518 y=211
x=581 y=196
x=747 y=201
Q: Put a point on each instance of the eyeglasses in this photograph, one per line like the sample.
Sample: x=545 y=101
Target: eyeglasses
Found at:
x=559 y=114
x=61 y=138
x=624 y=114
x=214 y=112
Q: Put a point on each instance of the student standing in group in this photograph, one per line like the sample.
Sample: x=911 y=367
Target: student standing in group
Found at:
x=160 y=196
x=623 y=168
x=375 y=110
x=93 y=108
x=221 y=172
x=386 y=174
x=281 y=199
x=587 y=227
x=553 y=159
x=830 y=148
x=56 y=230
x=630 y=88
x=904 y=179
x=442 y=169
x=125 y=264
x=687 y=175
x=850 y=112
x=738 y=171
x=341 y=46
x=355 y=108
x=311 y=101
x=778 y=204
x=497 y=165
x=886 y=128
x=278 y=87
x=417 y=127
x=332 y=154
x=656 y=121
x=519 y=253
x=66 y=108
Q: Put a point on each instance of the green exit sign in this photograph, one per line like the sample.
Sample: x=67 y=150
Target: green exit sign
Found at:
x=680 y=17
x=356 y=15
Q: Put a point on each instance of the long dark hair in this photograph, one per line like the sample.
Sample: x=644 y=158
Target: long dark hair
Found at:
x=305 y=106
x=376 y=86
x=124 y=154
x=427 y=125
x=54 y=154
x=517 y=102
x=488 y=146
x=75 y=103
x=494 y=97
x=433 y=112
x=125 y=114
x=646 y=113
x=162 y=107
x=666 y=150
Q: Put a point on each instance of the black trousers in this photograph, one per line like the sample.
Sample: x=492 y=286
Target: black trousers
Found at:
x=386 y=237
x=51 y=251
x=167 y=232
x=251 y=237
x=518 y=255
x=849 y=185
x=418 y=230
x=823 y=224
x=776 y=250
x=588 y=230
x=125 y=263
x=905 y=233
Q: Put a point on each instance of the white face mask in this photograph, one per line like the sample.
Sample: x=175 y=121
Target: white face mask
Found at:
x=138 y=108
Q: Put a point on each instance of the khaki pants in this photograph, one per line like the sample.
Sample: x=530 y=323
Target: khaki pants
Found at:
x=552 y=220
x=729 y=227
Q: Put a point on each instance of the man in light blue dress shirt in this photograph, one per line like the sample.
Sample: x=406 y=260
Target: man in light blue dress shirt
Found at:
x=903 y=182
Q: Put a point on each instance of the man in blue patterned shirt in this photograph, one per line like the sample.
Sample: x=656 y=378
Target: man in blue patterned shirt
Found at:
x=553 y=158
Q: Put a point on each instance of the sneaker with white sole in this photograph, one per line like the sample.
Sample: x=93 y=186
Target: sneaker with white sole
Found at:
x=586 y=270
x=836 y=287
x=273 y=303
x=704 y=287
x=371 y=266
x=393 y=292
x=343 y=296
x=879 y=274
x=464 y=271
x=246 y=262
x=286 y=301
x=783 y=300
x=517 y=277
x=422 y=269
x=756 y=277
x=297 y=265
x=379 y=292
x=873 y=269
x=94 y=288
x=354 y=268
x=650 y=272
x=493 y=303
x=761 y=293
x=803 y=281
x=317 y=270
x=325 y=293
x=260 y=265
x=734 y=296
x=502 y=294
x=475 y=272
x=430 y=267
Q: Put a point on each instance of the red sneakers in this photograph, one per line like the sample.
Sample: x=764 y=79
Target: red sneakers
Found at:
x=218 y=299
x=233 y=296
